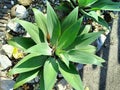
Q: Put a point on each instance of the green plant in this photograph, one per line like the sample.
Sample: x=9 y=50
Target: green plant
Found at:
x=88 y=8
x=53 y=48
x=89 y=5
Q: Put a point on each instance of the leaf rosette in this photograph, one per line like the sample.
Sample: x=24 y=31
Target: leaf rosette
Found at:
x=53 y=47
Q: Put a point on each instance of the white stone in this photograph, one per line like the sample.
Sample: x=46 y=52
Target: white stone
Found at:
x=63 y=85
x=8 y=49
x=12 y=2
x=13 y=25
x=100 y=41
x=4 y=62
x=5 y=7
x=21 y=11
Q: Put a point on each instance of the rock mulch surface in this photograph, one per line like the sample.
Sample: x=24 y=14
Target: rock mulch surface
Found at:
x=6 y=59
x=6 y=83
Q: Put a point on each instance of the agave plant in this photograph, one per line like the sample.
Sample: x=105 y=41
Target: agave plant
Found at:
x=53 y=47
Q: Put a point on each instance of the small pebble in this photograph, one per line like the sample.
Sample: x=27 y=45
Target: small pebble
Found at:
x=13 y=25
x=19 y=11
x=4 y=62
x=8 y=49
x=12 y=2
x=5 y=7
x=63 y=85
x=100 y=41
x=79 y=67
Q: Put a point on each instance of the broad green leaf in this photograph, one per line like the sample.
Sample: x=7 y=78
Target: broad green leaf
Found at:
x=42 y=83
x=64 y=57
x=25 y=77
x=83 y=57
x=21 y=42
x=88 y=49
x=86 y=39
x=102 y=22
x=71 y=3
x=93 y=14
x=65 y=6
x=106 y=5
x=53 y=25
x=95 y=17
x=41 y=49
x=105 y=0
x=98 y=19
x=41 y=20
x=31 y=28
x=70 y=19
x=71 y=76
x=85 y=30
x=51 y=69
x=84 y=3
x=69 y=35
x=28 y=63
x=43 y=38
x=62 y=7
x=99 y=58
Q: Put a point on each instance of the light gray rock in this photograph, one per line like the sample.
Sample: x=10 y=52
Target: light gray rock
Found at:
x=19 y=11
x=6 y=83
x=13 y=25
x=8 y=49
x=4 y=62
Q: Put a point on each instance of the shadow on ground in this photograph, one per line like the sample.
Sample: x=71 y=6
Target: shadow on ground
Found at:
x=106 y=77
